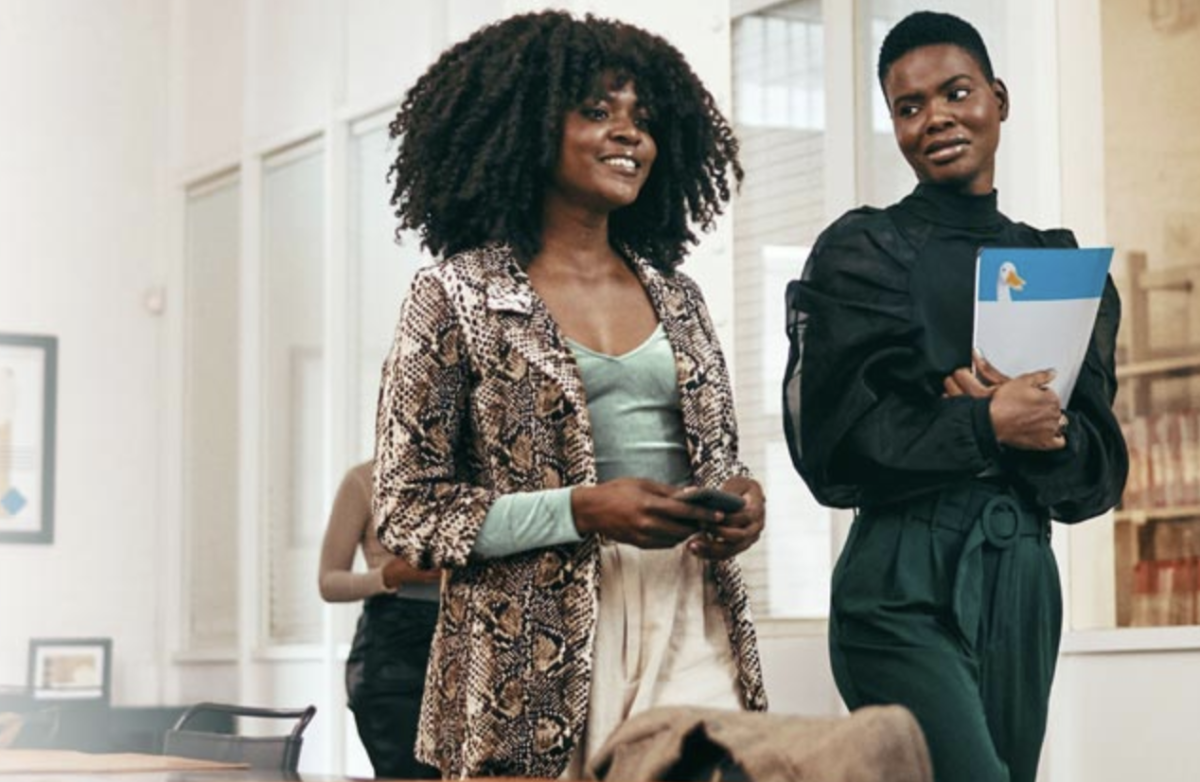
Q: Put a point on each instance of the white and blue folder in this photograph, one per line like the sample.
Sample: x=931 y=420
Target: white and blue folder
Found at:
x=1035 y=309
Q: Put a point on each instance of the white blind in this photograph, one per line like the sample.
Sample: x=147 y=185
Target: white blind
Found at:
x=779 y=117
x=293 y=264
x=210 y=442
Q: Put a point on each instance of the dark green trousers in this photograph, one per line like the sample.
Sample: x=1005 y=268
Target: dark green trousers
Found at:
x=951 y=606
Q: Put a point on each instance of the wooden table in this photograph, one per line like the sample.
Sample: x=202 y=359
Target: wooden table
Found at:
x=236 y=775
x=65 y=766
x=56 y=765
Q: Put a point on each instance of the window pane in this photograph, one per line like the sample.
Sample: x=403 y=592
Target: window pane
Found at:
x=210 y=443
x=779 y=114
x=293 y=270
x=381 y=270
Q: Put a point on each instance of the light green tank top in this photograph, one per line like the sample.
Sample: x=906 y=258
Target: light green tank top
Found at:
x=633 y=402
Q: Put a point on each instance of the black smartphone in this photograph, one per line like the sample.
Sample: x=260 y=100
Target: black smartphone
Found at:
x=715 y=499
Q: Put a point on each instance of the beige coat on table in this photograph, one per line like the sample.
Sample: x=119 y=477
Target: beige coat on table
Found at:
x=481 y=397
x=874 y=744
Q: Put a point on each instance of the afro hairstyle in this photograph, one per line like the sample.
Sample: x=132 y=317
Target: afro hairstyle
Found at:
x=477 y=137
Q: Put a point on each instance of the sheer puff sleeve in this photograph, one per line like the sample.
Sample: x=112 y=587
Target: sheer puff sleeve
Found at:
x=863 y=409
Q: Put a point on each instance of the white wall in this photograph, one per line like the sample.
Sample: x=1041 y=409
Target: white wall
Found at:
x=207 y=66
x=1122 y=716
x=796 y=668
x=81 y=240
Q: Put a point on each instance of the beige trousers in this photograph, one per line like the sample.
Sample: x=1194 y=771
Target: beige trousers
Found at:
x=661 y=640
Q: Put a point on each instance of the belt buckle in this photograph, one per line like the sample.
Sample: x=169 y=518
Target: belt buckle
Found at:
x=997 y=533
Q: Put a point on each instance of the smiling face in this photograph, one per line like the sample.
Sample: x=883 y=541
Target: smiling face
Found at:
x=607 y=150
x=946 y=117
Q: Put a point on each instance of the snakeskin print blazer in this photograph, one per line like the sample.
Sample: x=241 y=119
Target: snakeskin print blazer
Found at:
x=481 y=397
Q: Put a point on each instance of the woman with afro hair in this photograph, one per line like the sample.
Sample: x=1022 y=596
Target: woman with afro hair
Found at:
x=555 y=394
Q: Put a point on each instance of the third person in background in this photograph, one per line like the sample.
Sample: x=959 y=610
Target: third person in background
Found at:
x=385 y=670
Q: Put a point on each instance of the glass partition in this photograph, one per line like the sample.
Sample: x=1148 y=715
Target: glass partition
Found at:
x=779 y=117
x=212 y=254
x=293 y=241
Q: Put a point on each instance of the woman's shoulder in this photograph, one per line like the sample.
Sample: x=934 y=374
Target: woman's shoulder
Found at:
x=467 y=277
x=681 y=290
x=475 y=263
x=362 y=475
x=863 y=243
x=1025 y=235
x=858 y=221
x=865 y=230
x=1047 y=237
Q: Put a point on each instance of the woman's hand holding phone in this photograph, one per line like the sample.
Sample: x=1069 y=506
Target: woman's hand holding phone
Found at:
x=740 y=527
x=648 y=514
x=714 y=499
x=637 y=511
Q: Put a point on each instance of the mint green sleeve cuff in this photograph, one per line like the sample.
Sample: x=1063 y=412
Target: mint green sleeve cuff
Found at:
x=527 y=521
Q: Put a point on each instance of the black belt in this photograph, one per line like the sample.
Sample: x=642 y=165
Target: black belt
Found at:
x=988 y=514
x=994 y=508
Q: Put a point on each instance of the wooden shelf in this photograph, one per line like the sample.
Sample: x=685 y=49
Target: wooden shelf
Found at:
x=1187 y=362
x=1162 y=374
x=1141 y=516
x=1125 y=640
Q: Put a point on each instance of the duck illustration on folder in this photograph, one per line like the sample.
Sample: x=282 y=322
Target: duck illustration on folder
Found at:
x=1035 y=308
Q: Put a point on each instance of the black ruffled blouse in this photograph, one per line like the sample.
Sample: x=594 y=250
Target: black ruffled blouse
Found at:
x=882 y=313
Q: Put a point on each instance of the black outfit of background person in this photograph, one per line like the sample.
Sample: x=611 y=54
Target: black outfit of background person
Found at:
x=385 y=670
x=385 y=680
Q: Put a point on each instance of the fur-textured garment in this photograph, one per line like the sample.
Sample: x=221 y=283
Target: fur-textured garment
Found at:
x=481 y=397
x=874 y=744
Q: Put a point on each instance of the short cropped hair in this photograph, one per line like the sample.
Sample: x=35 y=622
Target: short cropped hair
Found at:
x=478 y=137
x=930 y=28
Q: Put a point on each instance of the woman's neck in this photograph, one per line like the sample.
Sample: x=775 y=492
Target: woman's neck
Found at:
x=576 y=240
x=952 y=207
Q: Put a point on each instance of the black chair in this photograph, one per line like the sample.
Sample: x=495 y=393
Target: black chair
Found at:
x=266 y=752
x=32 y=730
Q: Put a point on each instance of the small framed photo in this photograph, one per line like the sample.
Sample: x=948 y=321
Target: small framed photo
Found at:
x=70 y=669
x=28 y=390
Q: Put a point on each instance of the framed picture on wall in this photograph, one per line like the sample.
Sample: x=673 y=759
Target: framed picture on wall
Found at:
x=28 y=388
x=70 y=669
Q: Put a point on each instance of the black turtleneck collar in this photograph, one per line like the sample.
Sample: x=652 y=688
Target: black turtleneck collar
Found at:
x=943 y=206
